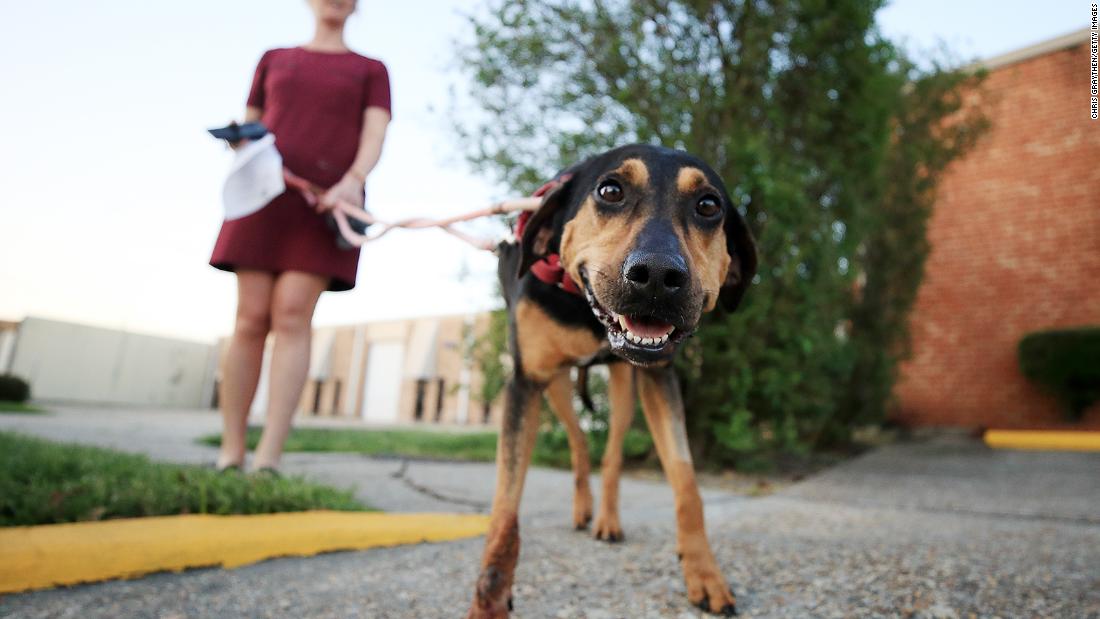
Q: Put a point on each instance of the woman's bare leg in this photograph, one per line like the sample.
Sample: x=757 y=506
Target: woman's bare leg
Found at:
x=292 y=304
x=243 y=360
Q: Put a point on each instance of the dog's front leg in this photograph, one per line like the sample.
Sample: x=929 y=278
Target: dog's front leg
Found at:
x=560 y=395
x=664 y=412
x=621 y=394
x=493 y=594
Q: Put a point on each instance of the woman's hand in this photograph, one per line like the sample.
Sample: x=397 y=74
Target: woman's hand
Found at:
x=349 y=189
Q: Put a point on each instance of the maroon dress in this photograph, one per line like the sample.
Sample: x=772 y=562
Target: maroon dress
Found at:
x=313 y=102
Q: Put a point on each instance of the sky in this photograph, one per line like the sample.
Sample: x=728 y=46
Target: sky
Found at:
x=112 y=188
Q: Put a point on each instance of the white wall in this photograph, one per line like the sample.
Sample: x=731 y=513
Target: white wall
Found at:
x=7 y=347
x=77 y=363
x=382 y=389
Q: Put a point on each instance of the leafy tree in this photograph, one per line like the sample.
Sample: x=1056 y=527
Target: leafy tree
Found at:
x=829 y=138
x=487 y=350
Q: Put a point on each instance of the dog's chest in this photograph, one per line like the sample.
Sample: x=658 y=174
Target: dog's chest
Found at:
x=545 y=345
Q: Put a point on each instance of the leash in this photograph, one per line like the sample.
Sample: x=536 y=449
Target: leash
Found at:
x=548 y=269
x=343 y=210
x=235 y=133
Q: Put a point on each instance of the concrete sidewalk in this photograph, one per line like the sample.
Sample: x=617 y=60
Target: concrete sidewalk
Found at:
x=946 y=528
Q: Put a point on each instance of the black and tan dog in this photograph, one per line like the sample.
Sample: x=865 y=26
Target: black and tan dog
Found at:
x=626 y=252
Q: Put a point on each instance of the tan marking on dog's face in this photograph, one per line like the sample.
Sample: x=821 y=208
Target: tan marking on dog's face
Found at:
x=635 y=172
x=600 y=242
x=708 y=261
x=545 y=345
x=689 y=178
x=708 y=258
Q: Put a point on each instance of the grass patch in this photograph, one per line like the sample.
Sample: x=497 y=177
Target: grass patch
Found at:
x=551 y=449
x=472 y=446
x=46 y=483
x=7 y=406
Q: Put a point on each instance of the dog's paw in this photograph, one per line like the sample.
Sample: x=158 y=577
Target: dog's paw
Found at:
x=708 y=590
x=581 y=520
x=729 y=609
x=607 y=528
x=479 y=612
x=493 y=597
x=582 y=510
x=482 y=608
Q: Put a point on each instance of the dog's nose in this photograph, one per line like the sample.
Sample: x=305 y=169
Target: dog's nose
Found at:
x=655 y=274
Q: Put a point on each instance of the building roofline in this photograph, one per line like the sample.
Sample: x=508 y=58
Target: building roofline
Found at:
x=413 y=318
x=1070 y=39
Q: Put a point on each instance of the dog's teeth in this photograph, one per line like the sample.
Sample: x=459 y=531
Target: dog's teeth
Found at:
x=648 y=341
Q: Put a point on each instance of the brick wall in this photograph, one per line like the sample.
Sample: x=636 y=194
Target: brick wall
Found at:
x=1015 y=240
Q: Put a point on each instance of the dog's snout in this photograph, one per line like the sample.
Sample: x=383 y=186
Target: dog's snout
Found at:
x=655 y=274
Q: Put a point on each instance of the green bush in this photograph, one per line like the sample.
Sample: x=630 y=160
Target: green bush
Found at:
x=1066 y=363
x=14 y=389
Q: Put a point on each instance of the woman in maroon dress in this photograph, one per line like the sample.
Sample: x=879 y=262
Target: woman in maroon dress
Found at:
x=328 y=108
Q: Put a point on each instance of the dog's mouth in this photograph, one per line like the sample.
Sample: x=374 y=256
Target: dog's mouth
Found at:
x=640 y=338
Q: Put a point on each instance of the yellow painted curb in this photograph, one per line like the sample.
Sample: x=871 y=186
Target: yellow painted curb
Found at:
x=1043 y=440
x=66 y=554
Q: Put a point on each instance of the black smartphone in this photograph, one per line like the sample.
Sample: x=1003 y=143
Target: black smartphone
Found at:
x=234 y=132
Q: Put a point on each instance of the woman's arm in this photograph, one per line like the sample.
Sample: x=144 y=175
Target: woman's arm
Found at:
x=350 y=187
x=375 y=122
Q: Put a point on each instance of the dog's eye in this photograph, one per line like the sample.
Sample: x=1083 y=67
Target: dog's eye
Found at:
x=610 y=191
x=708 y=206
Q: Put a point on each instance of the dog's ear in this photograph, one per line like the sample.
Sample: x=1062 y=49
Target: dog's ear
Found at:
x=540 y=228
x=741 y=247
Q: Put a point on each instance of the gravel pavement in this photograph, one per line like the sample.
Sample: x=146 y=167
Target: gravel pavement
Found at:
x=939 y=528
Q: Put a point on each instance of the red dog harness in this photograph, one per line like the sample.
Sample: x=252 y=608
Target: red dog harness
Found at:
x=548 y=270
